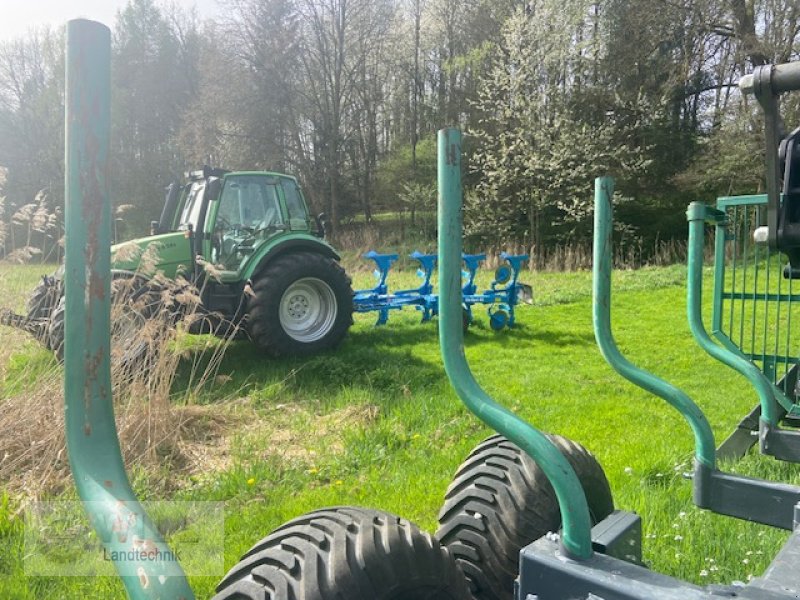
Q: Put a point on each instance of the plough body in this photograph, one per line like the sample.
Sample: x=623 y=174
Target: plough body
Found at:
x=503 y=295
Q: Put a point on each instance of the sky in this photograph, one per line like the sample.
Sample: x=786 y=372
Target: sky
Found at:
x=18 y=16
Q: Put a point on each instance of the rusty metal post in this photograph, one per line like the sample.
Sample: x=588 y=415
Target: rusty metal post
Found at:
x=140 y=555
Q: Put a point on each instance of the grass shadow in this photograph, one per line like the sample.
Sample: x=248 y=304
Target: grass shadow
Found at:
x=554 y=337
x=387 y=370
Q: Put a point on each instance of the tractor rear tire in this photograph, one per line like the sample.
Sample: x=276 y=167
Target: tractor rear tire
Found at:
x=500 y=501
x=301 y=304
x=345 y=553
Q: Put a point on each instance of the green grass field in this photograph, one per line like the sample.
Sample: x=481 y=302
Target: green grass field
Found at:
x=376 y=424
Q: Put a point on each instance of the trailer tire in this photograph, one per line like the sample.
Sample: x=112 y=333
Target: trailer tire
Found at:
x=500 y=501
x=591 y=475
x=345 y=552
x=301 y=304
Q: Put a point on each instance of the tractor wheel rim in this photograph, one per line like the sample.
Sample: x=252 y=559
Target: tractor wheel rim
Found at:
x=308 y=310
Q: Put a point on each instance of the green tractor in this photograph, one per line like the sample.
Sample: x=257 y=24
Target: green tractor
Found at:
x=243 y=241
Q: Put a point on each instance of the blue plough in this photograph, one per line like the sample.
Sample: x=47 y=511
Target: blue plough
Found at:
x=503 y=296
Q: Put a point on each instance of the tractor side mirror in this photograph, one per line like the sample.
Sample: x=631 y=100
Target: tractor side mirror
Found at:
x=213 y=188
x=321 y=220
x=118 y=222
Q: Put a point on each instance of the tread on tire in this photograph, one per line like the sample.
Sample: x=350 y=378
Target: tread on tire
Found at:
x=500 y=501
x=345 y=552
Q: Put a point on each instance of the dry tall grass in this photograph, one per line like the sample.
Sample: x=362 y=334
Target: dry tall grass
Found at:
x=357 y=239
x=155 y=427
x=577 y=257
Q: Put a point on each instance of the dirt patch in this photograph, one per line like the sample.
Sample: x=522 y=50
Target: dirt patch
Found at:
x=301 y=442
x=290 y=432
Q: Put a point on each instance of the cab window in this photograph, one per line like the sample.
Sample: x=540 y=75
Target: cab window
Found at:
x=191 y=210
x=294 y=201
x=249 y=203
x=249 y=211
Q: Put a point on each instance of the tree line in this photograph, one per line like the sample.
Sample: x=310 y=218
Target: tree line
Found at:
x=348 y=94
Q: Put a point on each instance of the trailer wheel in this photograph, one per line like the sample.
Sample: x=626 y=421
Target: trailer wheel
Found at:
x=590 y=474
x=345 y=553
x=302 y=303
x=500 y=501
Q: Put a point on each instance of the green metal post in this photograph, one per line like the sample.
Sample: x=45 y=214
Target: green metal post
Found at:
x=697 y=214
x=576 y=536
x=127 y=533
x=705 y=452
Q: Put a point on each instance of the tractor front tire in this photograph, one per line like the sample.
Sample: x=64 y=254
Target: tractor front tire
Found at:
x=500 y=501
x=300 y=304
x=345 y=553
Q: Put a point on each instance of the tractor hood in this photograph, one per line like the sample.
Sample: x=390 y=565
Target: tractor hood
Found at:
x=169 y=253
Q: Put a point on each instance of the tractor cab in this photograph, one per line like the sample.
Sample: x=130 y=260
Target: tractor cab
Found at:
x=228 y=215
x=245 y=210
x=222 y=218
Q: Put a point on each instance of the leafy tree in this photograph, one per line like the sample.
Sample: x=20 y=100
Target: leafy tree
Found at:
x=154 y=74
x=417 y=197
x=31 y=130
x=540 y=141
x=348 y=94
x=406 y=165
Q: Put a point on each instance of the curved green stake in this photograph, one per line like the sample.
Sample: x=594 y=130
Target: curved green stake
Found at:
x=128 y=535
x=601 y=306
x=696 y=214
x=576 y=535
